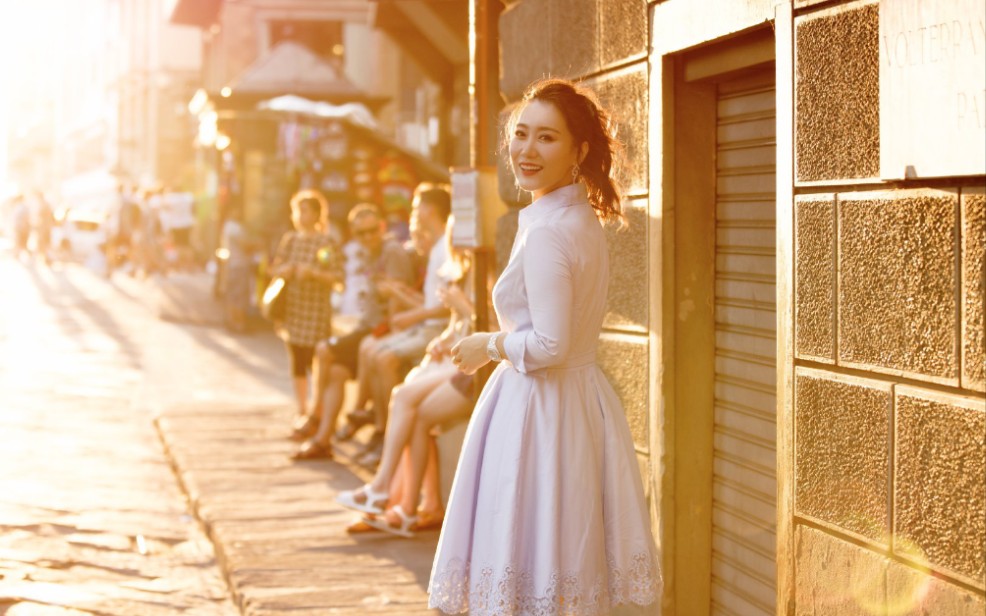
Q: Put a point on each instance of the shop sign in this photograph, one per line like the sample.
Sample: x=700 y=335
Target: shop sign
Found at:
x=476 y=206
x=932 y=88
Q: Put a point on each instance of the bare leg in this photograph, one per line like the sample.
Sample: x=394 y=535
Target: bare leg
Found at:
x=406 y=399
x=320 y=370
x=386 y=369
x=431 y=497
x=367 y=348
x=335 y=391
x=301 y=393
x=443 y=404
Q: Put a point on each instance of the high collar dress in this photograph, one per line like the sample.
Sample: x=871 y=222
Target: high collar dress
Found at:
x=547 y=513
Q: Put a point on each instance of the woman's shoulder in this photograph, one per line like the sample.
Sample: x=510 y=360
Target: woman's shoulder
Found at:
x=566 y=222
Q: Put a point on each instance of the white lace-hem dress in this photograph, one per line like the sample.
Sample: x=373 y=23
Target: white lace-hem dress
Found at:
x=547 y=513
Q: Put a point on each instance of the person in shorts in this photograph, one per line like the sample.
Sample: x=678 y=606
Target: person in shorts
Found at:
x=390 y=358
x=336 y=359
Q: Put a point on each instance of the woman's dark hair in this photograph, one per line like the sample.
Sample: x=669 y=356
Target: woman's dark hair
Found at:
x=314 y=201
x=589 y=123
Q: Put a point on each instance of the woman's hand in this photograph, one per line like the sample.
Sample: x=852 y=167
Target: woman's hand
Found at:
x=437 y=348
x=286 y=271
x=404 y=320
x=469 y=354
x=441 y=345
x=453 y=298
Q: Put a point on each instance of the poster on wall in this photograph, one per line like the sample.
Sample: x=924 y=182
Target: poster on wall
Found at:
x=465 y=208
x=932 y=88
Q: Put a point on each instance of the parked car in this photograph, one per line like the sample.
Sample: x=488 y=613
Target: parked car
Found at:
x=81 y=233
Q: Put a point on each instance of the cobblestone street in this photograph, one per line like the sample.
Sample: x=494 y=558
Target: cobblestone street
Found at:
x=91 y=517
x=134 y=430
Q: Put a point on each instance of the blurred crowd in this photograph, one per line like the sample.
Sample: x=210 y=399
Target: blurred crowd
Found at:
x=360 y=305
x=375 y=301
x=141 y=232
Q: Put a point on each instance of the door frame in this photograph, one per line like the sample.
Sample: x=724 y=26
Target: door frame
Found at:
x=684 y=303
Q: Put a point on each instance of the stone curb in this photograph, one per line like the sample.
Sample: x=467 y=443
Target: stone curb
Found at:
x=279 y=537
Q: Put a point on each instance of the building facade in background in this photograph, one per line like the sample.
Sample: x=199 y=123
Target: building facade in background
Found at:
x=394 y=79
x=158 y=69
x=110 y=104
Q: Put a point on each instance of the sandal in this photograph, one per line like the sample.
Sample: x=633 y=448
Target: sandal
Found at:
x=428 y=520
x=360 y=526
x=403 y=529
x=304 y=427
x=312 y=450
x=354 y=421
x=363 y=499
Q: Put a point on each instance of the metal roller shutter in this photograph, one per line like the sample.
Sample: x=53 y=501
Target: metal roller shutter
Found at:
x=744 y=495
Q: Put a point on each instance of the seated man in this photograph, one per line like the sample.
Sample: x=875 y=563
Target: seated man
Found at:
x=392 y=356
x=336 y=358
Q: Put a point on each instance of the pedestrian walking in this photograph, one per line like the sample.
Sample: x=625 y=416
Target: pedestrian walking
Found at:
x=547 y=512
x=306 y=258
x=150 y=246
x=44 y=220
x=239 y=269
x=337 y=358
x=21 y=219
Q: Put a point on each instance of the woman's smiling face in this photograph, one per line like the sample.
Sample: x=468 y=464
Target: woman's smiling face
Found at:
x=542 y=151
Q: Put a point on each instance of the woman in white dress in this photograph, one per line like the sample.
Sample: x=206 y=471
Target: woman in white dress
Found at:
x=547 y=513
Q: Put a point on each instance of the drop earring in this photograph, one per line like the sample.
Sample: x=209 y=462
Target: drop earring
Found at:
x=575 y=173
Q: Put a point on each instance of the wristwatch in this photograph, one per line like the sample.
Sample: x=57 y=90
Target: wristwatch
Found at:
x=491 y=351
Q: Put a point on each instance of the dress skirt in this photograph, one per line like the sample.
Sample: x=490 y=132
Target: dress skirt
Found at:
x=547 y=513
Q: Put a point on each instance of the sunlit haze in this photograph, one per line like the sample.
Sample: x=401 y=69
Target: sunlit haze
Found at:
x=48 y=47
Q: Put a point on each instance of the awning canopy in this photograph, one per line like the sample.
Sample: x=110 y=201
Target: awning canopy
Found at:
x=200 y=13
x=290 y=68
x=357 y=120
x=356 y=113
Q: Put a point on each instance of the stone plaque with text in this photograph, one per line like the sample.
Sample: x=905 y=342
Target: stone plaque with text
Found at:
x=932 y=88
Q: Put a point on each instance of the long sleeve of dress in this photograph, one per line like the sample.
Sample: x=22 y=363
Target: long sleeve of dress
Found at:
x=548 y=280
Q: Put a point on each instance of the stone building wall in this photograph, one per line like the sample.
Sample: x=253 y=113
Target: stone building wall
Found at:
x=889 y=423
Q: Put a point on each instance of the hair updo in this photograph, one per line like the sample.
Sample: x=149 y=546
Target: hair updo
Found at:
x=589 y=123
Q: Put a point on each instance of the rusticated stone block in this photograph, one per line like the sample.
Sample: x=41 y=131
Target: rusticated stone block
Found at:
x=628 y=296
x=940 y=481
x=973 y=288
x=837 y=94
x=814 y=307
x=836 y=578
x=917 y=593
x=897 y=283
x=622 y=29
x=525 y=47
x=623 y=360
x=574 y=33
x=542 y=38
x=624 y=94
x=842 y=445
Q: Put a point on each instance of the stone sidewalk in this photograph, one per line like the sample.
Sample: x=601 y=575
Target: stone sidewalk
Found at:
x=92 y=521
x=279 y=536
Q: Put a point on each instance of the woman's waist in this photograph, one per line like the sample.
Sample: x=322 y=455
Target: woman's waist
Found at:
x=573 y=361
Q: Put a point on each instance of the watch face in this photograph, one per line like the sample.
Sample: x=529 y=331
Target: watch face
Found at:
x=491 y=351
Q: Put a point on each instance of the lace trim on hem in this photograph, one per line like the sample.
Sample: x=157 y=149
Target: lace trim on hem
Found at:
x=513 y=592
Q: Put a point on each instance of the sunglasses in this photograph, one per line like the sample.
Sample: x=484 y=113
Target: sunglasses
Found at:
x=366 y=232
